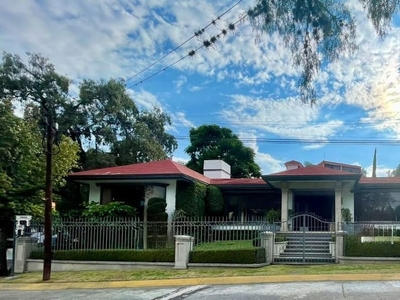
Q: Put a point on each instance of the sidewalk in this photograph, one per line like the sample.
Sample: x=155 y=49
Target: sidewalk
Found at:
x=198 y=281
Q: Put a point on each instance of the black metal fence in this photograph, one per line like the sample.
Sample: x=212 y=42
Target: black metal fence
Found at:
x=132 y=233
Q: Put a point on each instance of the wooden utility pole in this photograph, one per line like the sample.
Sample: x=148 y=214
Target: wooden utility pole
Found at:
x=48 y=254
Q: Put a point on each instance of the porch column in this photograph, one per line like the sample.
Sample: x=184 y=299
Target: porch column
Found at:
x=284 y=206
x=338 y=204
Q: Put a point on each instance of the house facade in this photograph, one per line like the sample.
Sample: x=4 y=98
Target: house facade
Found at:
x=322 y=190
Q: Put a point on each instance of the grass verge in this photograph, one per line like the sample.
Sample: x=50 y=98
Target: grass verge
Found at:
x=128 y=275
x=223 y=245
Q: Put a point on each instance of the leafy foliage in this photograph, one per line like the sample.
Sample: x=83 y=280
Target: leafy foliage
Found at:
x=317 y=31
x=314 y=31
x=273 y=216
x=214 y=200
x=190 y=198
x=214 y=142
x=346 y=215
x=103 y=115
x=354 y=247
x=153 y=255
x=395 y=172
x=156 y=209
x=112 y=209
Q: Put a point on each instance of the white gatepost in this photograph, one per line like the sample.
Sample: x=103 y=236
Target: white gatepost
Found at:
x=183 y=246
x=267 y=242
x=340 y=244
x=23 y=248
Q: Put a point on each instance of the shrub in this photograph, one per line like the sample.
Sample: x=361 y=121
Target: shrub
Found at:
x=156 y=210
x=158 y=255
x=190 y=198
x=214 y=200
x=346 y=215
x=354 y=247
x=112 y=209
x=229 y=256
x=273 y=216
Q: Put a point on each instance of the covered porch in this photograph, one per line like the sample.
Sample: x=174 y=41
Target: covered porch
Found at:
x=316 y=191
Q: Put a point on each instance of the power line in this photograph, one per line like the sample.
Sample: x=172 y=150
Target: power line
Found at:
x=191 y=53
x=394 y=142
x=189 y=39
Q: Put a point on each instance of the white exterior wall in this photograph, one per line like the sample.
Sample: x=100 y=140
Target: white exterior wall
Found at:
x=94 y=193
x=171 y=199
x=156 y=191
x=348 y=199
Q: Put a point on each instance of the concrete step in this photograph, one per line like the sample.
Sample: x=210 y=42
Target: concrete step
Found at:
x=306 y=254
x=300 y=260
x=300 y=250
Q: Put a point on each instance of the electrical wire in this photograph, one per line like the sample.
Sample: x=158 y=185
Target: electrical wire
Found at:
x=180 y=45
x=191 y=53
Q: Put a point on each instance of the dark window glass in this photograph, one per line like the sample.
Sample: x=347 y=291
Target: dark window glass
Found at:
x=377 y=206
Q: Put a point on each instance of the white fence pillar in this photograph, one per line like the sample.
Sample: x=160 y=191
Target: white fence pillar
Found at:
x=183 y=246
x=340 y=244
x=267 y=242
x=23 y=248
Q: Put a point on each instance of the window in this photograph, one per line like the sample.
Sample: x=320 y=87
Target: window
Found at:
x=351 y=170
x=335 y=167
x=377 y=206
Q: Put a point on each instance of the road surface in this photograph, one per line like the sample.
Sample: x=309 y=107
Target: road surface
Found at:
x=311 y=290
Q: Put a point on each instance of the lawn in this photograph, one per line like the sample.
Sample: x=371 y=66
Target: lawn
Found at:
x=222 y=245
x=125 y=275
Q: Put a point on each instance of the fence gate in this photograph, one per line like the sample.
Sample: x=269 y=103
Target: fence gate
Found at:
x=305 y=238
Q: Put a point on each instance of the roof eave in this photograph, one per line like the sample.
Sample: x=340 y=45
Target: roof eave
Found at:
x=270 y=178
x=135 y=177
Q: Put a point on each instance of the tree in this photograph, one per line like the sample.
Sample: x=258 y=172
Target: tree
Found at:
x=214 y=142
x=103 y=116
x=395 y=172
x=308 y=164
x=317 y=31
x=22 y=170
x=374 y=165
x=36 y=84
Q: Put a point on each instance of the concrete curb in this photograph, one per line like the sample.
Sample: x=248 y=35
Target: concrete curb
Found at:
x=198 y=281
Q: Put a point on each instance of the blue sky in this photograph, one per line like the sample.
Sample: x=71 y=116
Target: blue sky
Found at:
x=247 y=86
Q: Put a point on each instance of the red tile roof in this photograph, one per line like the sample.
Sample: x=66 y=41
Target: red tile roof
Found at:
x=293 y=162
x=238 y=181
x=162 y=168
x=379 y=180
x=317 y=170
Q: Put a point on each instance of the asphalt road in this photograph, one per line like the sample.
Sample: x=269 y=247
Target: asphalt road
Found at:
x=311 y=290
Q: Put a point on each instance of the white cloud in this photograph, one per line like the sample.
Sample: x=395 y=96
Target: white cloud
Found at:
x=181 y=160
x=381 y=171
x=179 y=120
x=313 y=146
x=195 y=88
x=179 y=83
x=267 y=163
x=284 y=117
x=145 y=99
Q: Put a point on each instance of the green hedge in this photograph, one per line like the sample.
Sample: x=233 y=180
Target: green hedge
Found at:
x=157 y=255
x=229 y=256
x=190 y=198
x=214 y=200
x=354 y=247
